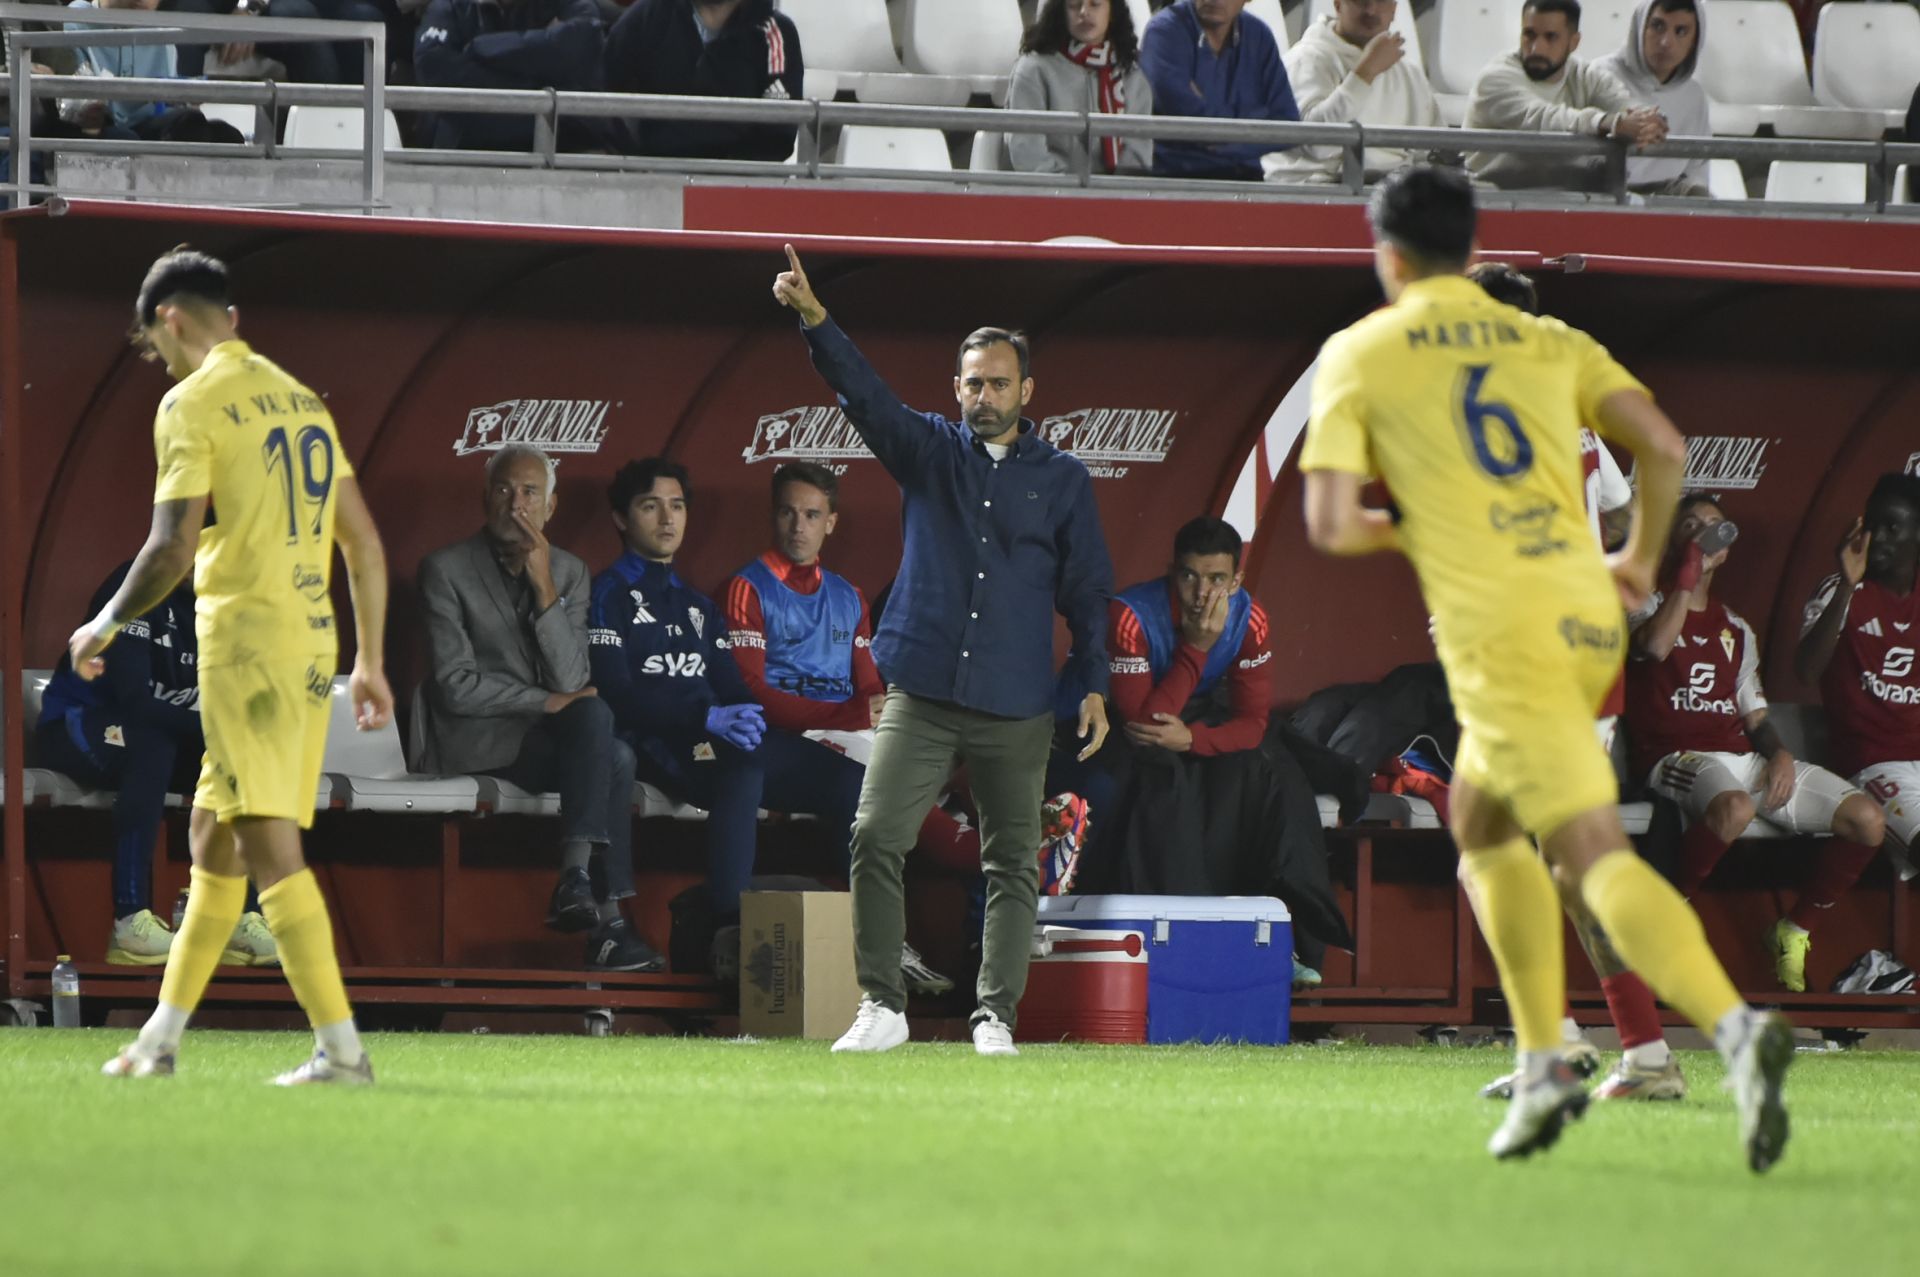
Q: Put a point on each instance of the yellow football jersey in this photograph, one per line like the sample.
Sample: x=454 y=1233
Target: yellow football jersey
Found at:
x=264 y=449
x=1470 y=411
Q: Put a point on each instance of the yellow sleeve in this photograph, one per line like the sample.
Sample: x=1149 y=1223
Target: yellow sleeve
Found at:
x=183 y=449
x=1599 y=375
x=342 y=467
x=1336 y=419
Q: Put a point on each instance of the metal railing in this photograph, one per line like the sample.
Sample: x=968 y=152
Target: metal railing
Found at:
x=811 y=119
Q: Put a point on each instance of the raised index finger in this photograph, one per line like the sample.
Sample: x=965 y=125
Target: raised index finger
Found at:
x=793 y=260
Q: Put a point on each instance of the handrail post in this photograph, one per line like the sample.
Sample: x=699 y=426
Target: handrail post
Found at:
x=374 y=73
x=1353 y=159
x=20 y=120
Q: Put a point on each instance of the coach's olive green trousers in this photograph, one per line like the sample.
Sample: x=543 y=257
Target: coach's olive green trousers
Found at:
x=914 y=750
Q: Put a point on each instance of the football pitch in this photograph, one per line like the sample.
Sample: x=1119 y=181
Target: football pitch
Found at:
x=537 y=1155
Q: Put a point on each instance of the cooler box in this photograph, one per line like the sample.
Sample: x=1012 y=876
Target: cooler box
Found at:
x=1219 y=968
x=1085 y=986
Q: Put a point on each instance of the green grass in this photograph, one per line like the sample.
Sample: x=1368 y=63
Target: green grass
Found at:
x=535 y=1155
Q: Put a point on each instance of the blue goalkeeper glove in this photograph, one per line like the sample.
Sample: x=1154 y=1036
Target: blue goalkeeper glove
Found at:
x=741 y=726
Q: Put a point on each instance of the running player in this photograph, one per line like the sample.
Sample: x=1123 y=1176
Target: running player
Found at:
x=1470 y=411
x=1862 y=627
x=242 y=440
x=1647 y=1068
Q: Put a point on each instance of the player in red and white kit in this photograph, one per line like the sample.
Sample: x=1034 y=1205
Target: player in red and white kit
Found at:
x=1858 y=642
x=1697 y=722
x=1647 y=1068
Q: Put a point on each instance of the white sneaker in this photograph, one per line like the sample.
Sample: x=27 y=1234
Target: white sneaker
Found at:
x=991 y=1036
x=918 y=976
x=252 y=943
x=875 y=1028
x=1757 y=1067
x=139 y=940
x=321 y=1069
x=131 y=1062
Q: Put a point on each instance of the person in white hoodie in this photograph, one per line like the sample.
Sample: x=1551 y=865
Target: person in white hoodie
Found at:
x=1351 y=65
x=1545 y=89
x=1656 y=64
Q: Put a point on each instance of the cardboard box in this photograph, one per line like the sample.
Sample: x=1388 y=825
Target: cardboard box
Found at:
x=796 y=964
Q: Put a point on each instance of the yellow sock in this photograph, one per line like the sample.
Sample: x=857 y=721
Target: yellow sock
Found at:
x=1659 y=935
x=1519 y=912
x=297 y=915
x=213 y=910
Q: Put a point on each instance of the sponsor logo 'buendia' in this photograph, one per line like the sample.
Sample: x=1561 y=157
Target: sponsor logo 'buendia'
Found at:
x=1726 y=462
x=551 y=425
x=1107 y=440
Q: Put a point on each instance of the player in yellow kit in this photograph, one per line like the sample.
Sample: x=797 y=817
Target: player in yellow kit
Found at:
x=1470 y=410
x=242 y=438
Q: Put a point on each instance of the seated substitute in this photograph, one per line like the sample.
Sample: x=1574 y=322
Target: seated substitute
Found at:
x=1697 y=724
x=1544 y=88
x=508 y=696
x=136 y=730
x=802 y=639
x=1858 y=642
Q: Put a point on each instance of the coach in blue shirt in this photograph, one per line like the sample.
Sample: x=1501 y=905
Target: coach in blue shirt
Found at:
x=1205 y=58
x=999 y=530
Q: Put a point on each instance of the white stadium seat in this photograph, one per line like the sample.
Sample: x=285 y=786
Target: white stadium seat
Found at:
x=1403 y=22
x=1866 y=56
x=881 y=147
x=1753 y=58
x=1603 y=27
x=1270 y=12
x=243 y=117
x=844 y=35
x=334 y=128
x=1725 y=181
x=972 y=38
x=989 y=152
x=1808 y=182
x=1467 y=35
x=367 y=771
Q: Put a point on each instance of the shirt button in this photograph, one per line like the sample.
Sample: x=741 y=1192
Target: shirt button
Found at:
x=983 y=576
x=964 y=655
x=986 y=503
x=974 y=615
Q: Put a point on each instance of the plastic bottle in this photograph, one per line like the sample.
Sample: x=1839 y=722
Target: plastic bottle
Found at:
x=66 y=994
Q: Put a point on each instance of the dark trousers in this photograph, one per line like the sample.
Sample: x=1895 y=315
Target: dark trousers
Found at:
x=146 y=763
x=787 y=773
x=575 y=753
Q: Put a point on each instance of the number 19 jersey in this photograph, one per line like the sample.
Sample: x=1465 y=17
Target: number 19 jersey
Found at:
x=1471 y=410
x=263 y=448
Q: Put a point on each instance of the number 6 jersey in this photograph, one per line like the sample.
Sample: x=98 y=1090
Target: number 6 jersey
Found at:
x=263 y=449
x=1471 y=410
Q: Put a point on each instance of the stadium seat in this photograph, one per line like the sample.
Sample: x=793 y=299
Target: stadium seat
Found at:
x=1903 y=191
x=334 y=128
x=1753 y=57
x=1603 y=26
x=1725 y=180
x=1403 y=22
x=1270 y=12
x=367 y=771
x=971 y=38
x=241 y=116
x=1808 y=182
x=1141 y=12
x=819 y=85
x=1467 y=35
x=989 y=153
x=881 y=147
x=1866 y=56
x=44 y=787
x=844 y=35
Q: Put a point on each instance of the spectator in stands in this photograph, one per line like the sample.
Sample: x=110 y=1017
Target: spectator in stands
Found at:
x=136 y=730
x=1697 y=723
x=1858 y=642
x=712 y=49
x=306 y=62
x=1192 y=681
x=1080 y=55
x=509 y=44
x=1205 y=58
x=801 y=639
x=1000 y=533
x=1544 y=88
x=662 y=660
x=508 y=696
x=1352 y=66
x=150 y=121
x=1656 y=66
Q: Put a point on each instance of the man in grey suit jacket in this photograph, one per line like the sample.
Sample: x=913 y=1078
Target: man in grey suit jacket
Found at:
x=508 y=696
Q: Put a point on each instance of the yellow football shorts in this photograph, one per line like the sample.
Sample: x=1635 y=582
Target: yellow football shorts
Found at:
x=1526 y=700
x=266 y=729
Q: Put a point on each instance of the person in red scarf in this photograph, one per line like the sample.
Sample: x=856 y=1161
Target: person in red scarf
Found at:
x=1080 y=55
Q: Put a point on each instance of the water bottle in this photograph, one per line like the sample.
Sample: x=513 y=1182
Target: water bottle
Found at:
x=66 y=994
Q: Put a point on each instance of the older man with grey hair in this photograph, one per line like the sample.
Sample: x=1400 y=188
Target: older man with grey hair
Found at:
x=508 y=696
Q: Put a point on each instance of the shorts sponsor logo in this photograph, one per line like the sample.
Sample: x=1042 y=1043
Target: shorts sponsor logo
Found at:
x=1726 y=463
x=819 y=434
x=551 y=425
x=1110 y=441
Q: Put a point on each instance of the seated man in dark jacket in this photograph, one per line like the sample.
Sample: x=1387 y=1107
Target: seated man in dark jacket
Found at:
x=509 y=44
x=705 y=48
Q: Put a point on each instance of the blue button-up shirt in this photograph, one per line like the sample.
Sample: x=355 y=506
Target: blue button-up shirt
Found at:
x=990 y=549
x=1246 y=80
